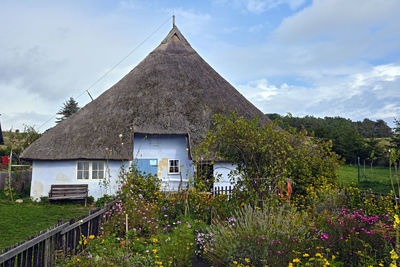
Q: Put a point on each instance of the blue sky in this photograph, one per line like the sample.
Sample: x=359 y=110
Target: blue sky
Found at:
x=320 y=58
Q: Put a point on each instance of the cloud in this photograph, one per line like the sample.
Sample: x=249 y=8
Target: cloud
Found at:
x=260 y=90
x=353 y=96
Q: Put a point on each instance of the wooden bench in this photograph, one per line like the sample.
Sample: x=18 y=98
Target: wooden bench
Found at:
x=69 y=191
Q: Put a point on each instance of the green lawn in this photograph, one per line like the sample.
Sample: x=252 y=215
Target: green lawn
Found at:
x=19 y=221
x=377 y=179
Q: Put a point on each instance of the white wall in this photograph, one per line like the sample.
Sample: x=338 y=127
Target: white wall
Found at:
x=163 y=148
x=222 y=172
x=46 y=173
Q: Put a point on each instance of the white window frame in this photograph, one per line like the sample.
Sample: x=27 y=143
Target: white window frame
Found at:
x=90 y=170
x=98 y=171
x=178 y=166
x=77 y=170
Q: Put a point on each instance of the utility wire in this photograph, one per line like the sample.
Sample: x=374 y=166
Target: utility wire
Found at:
x=112 y=68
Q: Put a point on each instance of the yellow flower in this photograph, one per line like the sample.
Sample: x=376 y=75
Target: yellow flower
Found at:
x=318 y=255
x=333 y=257
x=305 y=255
x=91 y=237
x=246 y=260
x=290 y=264
x=393 y=255
x=154 y=251
x=296 y=260
x=235 y=262
x=396 y=221
x=102 y=241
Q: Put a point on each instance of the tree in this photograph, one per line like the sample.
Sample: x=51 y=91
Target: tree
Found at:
x=395 y=139
x=267 y=157
x=69 y=108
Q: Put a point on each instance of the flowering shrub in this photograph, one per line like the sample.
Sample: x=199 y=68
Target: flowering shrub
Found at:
x=268 y=236
x=354 y=236
x=136 y=204
x=334 y=198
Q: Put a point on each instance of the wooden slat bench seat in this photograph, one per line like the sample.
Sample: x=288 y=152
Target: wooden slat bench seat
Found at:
x=69 y=191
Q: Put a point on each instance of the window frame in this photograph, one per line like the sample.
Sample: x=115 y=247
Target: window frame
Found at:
x=178 y=166
x=90 y=177
x=98 y=171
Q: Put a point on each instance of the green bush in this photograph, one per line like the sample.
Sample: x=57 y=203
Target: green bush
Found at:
x=103 y=200
x=266 y=157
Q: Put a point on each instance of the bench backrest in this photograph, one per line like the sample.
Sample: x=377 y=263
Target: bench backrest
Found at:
x=68 y=190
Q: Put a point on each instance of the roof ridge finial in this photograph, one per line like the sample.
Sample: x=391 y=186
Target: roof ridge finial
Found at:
x=173 y=20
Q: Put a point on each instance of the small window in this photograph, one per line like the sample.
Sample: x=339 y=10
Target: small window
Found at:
x=86 y=170
x=82 y=170
x=173 y=166
x=97 y=170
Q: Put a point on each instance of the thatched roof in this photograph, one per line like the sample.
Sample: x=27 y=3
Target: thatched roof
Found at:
x=172 y=91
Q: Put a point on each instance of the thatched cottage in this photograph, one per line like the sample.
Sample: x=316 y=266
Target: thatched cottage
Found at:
x=159 y=111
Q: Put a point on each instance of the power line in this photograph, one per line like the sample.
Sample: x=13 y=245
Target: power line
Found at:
x=112 y=68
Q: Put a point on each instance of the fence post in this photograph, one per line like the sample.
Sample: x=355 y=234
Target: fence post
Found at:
x=46 y=254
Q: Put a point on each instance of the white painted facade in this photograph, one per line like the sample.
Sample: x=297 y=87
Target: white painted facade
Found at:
x=152 y=154
x=46 y=173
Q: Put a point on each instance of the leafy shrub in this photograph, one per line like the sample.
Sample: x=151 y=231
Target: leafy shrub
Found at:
x=267 y=157
x=90 y=199
x=103 y=200
x=177 y=247
x=263 y=237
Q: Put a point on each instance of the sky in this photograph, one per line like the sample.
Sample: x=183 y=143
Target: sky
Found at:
x=320 y=58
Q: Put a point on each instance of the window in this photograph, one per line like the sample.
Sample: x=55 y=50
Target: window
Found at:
x=173 y=166
x=97 y=170
x=90 y=170
x=82 y=170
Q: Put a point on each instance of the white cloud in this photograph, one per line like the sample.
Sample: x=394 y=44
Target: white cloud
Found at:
x=352 y=96
x=388 y=111
x=339 y=17
x=259 y=90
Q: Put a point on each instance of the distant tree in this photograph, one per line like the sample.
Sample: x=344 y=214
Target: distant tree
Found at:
x=382 y=129
x=395 y=139
x=373 y=150
x=69 y=108
x=366 y=128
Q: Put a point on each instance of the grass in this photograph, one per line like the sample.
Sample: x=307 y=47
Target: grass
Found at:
x=377 y=179
x=19 y=221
